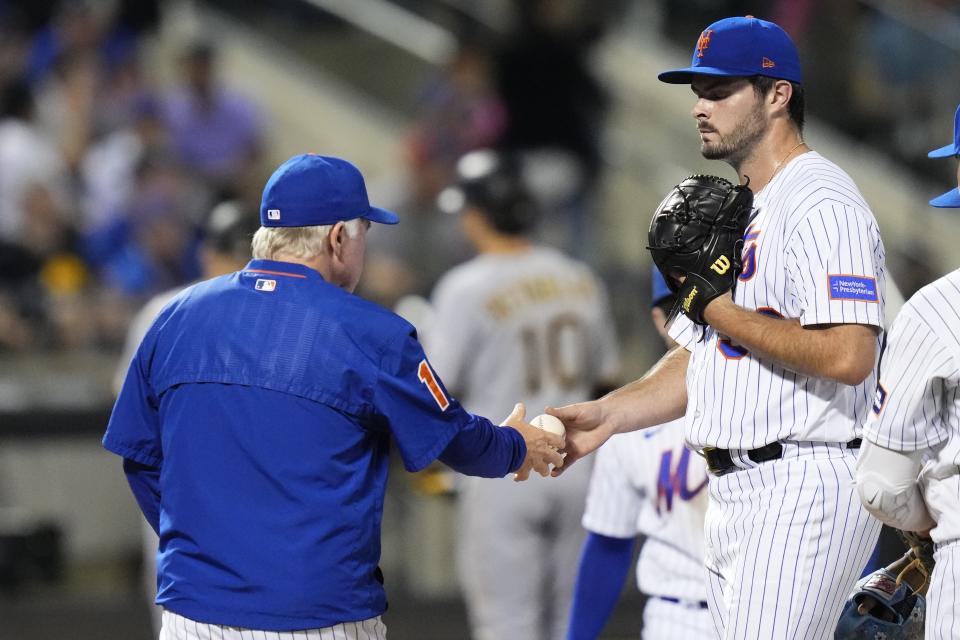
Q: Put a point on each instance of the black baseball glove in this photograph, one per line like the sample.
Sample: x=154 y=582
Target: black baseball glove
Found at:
x=696 y=237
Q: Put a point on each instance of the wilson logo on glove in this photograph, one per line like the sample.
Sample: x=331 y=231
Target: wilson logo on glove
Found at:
x=696 y=240
x=721 y=265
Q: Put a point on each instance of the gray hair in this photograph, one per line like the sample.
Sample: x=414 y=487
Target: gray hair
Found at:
x=297 y=242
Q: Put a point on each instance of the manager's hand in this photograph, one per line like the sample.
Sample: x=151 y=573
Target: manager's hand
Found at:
x=543 y=447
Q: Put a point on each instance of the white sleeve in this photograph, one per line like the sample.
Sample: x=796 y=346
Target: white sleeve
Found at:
x=685 y=331
x=613 y=504
x=834 y=260
x=915 y=369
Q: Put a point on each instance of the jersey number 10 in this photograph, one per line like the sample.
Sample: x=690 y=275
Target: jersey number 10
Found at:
x=558 y=351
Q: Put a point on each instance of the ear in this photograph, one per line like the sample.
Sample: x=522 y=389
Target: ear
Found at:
x=336 y=238
x=780 y=94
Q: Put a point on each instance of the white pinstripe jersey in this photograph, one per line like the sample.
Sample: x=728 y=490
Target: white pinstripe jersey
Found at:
x=647 y=482
x=917 y=404
x=812 y=251
x=543 y=322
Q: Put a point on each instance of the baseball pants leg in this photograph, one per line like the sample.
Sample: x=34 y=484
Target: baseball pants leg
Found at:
x=785 y=542
x=176 y=627
x=942 y=622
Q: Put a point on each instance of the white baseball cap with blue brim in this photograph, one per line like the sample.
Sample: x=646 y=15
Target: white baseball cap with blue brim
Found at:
x=950 y=199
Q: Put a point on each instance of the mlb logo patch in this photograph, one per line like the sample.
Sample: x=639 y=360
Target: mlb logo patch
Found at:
x=273 y=214
x=848 y=287
x=265 y=285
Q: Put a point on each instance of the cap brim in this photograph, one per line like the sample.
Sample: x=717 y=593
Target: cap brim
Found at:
x=949 y=200
x=685 y=75
x=944 y=152
x=376 y=214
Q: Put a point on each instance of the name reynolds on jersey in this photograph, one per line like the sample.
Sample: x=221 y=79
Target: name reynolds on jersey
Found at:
x=538 y=290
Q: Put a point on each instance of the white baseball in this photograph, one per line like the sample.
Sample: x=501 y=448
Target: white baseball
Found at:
x=549 y=423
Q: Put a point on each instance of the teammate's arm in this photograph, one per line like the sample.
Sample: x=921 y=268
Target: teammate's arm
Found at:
x=604 y=565
x=845 y=353
x=658 y=397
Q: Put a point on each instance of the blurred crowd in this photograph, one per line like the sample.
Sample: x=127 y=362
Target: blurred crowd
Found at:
x=105 y=177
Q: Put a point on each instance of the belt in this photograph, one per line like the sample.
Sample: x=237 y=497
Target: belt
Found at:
x=690 y=604
x=720 y=462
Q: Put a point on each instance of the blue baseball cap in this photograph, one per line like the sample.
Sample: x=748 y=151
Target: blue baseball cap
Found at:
x=953 y=148
x=741 y=47
x=659 y=289
x=311 y=190
x=950 y=199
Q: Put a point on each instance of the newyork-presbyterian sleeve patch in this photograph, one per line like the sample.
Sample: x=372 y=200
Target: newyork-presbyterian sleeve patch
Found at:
x=849 y=287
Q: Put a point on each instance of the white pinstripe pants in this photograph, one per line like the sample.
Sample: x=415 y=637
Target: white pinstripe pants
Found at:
x=943 y=623
x=176 y=627
x=785 y=542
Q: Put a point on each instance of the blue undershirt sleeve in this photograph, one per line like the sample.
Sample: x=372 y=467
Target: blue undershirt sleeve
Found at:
x=144 y=481
x=604 y=565
x=482 y=449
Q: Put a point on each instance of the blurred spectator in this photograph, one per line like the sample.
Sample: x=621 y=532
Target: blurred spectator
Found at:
x=214 y=131
x=27 y=158
x=556 y=106
x=77 y=28
x=108 y=169
x=152 y=245
x=458 y=111
x=67 y=103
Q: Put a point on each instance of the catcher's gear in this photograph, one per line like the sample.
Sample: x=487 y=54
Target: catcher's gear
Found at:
x=696 y=236
x=493 y=182
x=898 y=613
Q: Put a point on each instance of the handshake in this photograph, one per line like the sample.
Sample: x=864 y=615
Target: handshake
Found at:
x=545 y=437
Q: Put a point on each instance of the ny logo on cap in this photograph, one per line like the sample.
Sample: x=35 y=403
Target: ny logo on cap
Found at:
x=704 y=42
x=273 y=214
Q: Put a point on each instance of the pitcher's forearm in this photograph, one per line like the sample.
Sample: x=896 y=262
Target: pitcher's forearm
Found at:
x=658 y=397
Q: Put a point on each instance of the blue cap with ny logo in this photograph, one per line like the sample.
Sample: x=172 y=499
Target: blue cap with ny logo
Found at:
x=741 y=47
x=312 y=190
x=950 y=199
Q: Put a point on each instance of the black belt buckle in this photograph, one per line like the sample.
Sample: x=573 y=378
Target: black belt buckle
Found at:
x=719 y=461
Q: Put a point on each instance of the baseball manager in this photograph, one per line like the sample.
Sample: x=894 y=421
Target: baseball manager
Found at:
x=255 y=424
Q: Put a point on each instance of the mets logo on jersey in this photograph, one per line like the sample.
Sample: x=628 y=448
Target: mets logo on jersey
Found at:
x=703 y=42
x=675 y=482
x=749 y=256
